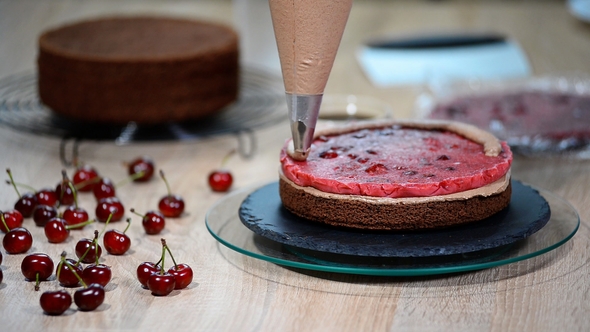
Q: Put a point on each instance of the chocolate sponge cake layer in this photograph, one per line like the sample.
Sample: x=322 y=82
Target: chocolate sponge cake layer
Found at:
x=143 y=69
x=359 y=213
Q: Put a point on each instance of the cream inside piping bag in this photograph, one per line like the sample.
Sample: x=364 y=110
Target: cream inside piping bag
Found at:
x=308 y=34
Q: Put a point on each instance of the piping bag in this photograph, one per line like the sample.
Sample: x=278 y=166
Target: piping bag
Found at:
x=308 y=33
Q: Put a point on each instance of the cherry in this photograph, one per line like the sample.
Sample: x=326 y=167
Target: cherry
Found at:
x=85 y=178
x=90 y=297
x=16 y=241
x=220 y=180
x=182 y=273
x=104 y=188
x=13 y=219
x=65 y=190
x=47 y=196
x=38 y=267
x=170 y=205
x=57 y=230
x=87 y=250
x=161 y=284
x=107 y=206
x=153 y=222
x=55 y=302
x=145 y=270
x=74 y=215
x=66 y=271
x=26 y=202
x=43 y=213
x=141 y=169
x=97 y=274
x=116 y=242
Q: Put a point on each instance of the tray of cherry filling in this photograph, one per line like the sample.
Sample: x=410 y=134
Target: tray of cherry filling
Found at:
x=547 y=115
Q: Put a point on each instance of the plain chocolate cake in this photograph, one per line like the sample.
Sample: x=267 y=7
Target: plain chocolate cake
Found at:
x=143 y=69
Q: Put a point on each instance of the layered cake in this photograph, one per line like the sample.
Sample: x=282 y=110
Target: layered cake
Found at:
x=398 y=175
x=143 y=69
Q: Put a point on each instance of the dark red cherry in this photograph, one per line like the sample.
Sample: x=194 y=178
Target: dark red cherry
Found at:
x=13 y=219
x=26 y=204
x=171 y=206
x=141 y=169
x=97 y=274
x=153 y=222
x=145 y=270
x=17 y=241
x=89 y=298
x=55 y=303
x=64 y=193
x=43 y=213
x=56 y=231
x=37 y=267
x=107 y=206
x=220 y=180
x=116 y=242
x=85 y=178
x=103 y=189
x=161 y=284
x=87 y=250
x=75 y=215
x=47 y=196
x=183 y=275
x=66 y=277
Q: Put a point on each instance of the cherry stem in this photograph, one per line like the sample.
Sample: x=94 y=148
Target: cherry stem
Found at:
x=12 y=182
x=64 y=183
x=4 y=221
x=128 y=224
x=227 y=156
x=61 y=262
x=74 y=193
x=37 y=282
x=166 y=182
x=95 y=242
x=87 y=182
x=163 y=256
x=170 y=252
x=80 y=225
x=137 y=213
x=106 y=224
x=74 y=272
x=129 y=179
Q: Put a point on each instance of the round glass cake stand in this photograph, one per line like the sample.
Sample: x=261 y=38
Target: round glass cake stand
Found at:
x=225 y=226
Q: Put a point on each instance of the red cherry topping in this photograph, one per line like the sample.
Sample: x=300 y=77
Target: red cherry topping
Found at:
x=85 y=178
x=116 y=242
x=171 y=206
x=141 y=169
x=55 y=303
x=97 y=274
x=13 y=219
x=37 y=267
x=220 y=180
x=153 y=222
x=17 y=241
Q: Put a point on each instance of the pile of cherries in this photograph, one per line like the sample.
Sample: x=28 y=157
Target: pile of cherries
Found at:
x=58 y=212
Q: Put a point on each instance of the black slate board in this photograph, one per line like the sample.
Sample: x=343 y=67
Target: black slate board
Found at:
x=262 y=212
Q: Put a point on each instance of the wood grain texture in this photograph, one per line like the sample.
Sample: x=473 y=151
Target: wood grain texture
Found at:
x=232 y=292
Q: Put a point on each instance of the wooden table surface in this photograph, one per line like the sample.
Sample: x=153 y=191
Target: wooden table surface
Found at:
x=233 y=292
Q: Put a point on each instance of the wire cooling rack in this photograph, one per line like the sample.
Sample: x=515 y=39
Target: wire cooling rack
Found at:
x=260 y=103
